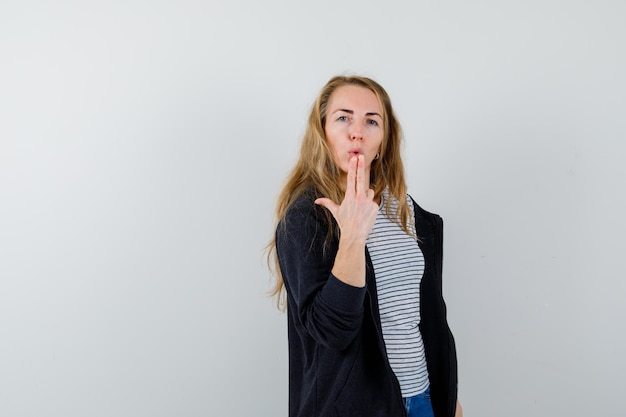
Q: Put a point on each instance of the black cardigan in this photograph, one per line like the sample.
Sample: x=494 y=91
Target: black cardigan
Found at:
x=337 y=360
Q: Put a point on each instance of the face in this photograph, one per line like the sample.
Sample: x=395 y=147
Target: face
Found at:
x=354 y=125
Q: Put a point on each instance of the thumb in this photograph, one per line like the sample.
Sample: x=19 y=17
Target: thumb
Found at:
x=329 y=204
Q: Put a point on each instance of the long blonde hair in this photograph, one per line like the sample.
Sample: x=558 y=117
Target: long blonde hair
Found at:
x=316 y=170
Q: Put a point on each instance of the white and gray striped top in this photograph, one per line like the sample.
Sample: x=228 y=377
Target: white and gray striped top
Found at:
x=399 y=267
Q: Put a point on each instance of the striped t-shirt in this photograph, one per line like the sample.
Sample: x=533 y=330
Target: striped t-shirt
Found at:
x=399 y=266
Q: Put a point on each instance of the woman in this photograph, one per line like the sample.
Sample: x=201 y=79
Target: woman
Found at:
x=360 y=265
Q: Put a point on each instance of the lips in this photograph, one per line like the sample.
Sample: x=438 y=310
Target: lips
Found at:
x=355 y=152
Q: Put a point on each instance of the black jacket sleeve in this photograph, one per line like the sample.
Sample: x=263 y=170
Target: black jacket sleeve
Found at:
x=330 y=311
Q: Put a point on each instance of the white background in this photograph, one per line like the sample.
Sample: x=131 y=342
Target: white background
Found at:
x=143 y=144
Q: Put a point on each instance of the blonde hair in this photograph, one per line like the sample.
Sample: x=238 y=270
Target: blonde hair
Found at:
x=316 y=170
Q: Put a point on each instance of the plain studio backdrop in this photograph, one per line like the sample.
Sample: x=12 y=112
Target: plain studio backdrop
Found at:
x=143 y=145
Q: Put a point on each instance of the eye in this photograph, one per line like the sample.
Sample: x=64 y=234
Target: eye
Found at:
x=342 y=119
x=372 y=122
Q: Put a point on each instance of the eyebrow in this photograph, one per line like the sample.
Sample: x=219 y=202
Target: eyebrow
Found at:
x=352 y=112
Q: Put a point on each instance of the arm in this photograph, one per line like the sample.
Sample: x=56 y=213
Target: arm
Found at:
x=328 y=289
x=329 y=310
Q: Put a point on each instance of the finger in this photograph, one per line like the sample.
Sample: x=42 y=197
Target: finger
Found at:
x=360 y=175
x=352 y=177
x=329 y=204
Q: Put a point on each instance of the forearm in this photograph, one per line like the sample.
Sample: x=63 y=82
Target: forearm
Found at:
x=349 y=266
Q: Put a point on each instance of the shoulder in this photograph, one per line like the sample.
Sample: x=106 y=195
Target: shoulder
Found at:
x=421 y=211
x=301 y=208
x=304 y=228
x=303 y=216
x=424 y=216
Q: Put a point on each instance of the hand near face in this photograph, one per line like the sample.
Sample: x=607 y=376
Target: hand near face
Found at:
x=357 y=212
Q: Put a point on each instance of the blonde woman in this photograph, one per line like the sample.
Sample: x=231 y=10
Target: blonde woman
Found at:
x=358 y=266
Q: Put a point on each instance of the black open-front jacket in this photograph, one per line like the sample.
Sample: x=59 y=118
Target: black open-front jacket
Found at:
x=338 y=365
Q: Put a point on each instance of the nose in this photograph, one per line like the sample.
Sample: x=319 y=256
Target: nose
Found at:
x=356 y=133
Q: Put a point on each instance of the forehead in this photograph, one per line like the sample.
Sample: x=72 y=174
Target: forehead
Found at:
x=356 y=98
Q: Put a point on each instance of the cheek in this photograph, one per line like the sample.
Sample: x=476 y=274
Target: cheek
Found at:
x=332 y=138
x=376 y=132
x=331 y=142
x=377 y=139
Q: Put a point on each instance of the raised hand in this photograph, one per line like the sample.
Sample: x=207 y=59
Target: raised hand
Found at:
x=355 y=216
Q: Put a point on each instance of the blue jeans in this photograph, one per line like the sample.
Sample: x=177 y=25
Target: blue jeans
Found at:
x=419 y=405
